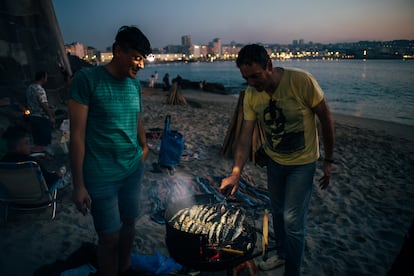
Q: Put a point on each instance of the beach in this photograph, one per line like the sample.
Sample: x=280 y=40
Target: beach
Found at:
x=355 y=227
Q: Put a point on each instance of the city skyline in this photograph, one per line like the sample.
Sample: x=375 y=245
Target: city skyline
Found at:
x=94 y=23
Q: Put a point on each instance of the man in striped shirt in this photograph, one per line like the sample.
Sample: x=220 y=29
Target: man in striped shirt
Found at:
x=108 y=147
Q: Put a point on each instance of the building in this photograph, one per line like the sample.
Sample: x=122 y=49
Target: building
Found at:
x=230 y=51
x=168 y=57
x=195 y=51
x=105 y=57
x=217 y=47
x=76 y=49
x=186 y=43
x=186 y=40
x=173 y=49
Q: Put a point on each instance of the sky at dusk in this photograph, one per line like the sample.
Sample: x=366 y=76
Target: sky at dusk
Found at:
x=95 y=22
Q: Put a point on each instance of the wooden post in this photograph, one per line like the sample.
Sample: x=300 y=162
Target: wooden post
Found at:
x=176 y=95
x=233 y=132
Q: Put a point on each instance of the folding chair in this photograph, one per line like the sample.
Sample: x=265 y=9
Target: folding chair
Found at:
x=23 y=187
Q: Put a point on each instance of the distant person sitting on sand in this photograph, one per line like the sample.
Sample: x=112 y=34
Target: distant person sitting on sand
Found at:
x=17 y=140
x=166 y=82
x=287 y=103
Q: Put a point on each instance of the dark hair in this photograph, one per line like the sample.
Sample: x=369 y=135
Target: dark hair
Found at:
x=253 y=53
x=130 y=37
x=40 y=75
x=13 y=135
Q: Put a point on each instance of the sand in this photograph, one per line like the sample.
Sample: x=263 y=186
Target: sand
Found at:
x=355 y=227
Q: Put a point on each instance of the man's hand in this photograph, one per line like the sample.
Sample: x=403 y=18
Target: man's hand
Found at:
x=145 y=152
x=82 y=200
x=231 y=182
x=325 y=180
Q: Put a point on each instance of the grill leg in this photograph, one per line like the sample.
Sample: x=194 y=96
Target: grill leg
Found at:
x=249 y=266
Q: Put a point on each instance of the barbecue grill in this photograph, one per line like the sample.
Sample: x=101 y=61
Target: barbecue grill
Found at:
x=196 y=251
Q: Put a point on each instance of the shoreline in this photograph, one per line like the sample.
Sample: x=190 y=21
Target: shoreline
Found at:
x=354 y=88
x=386 y=127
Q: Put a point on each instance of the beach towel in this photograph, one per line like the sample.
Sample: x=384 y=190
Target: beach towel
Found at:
x=247 y=195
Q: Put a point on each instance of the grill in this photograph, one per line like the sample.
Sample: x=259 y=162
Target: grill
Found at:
x=207 y=235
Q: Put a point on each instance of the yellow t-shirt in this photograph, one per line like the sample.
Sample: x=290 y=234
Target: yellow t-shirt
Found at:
x=289 y=124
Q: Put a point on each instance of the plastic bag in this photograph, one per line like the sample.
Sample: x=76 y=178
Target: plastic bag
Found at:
x=154 y=264
x=172 y=145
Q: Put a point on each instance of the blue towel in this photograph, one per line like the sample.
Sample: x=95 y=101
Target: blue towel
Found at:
x=156 y=264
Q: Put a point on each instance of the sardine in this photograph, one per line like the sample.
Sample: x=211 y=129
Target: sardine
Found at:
x=207 y=214
x=240 y=220
x=187 y=224
x=176 y=215
x=194 y=211
x=218 y=232
x=176 y=225
x=199 y=229
x=206 y=228
x=211 y=217
x=226 y=230
x=223 y=219
x=238 y=231
x=233 y=218
x=193 y=228
x=212 y=232
x=202 y=212
x=183 y=216
x=221 y=208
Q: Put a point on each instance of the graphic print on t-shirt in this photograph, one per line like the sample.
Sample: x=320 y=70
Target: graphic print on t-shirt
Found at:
x=283 y=138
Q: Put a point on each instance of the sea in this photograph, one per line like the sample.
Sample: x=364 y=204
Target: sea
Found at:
x=375 y=89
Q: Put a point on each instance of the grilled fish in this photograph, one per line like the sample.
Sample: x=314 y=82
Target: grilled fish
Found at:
x=222 y=224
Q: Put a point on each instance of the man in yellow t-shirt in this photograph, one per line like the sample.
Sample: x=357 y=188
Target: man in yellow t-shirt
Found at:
x=286 y=102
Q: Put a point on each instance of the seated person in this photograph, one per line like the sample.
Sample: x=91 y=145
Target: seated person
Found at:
x=17 y=140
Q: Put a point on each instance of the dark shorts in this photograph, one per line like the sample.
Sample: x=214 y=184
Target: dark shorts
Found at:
x=115 y=202
x=41 y=131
